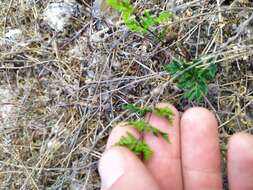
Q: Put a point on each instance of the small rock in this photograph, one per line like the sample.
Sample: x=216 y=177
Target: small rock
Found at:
x=91 y=74
x=58 y=15
x=12 y=37
x=7 y=108
x=14 y=34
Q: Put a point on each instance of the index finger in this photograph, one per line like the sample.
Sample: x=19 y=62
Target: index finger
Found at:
x=165 y=163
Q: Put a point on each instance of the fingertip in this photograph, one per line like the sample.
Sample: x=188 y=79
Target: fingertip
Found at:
x=240 y=149
x=200 y=150
x=111 y=166
x=119 y=168
x=240 y=161
x=241 y=141
x=200 y=114
x=199 y=127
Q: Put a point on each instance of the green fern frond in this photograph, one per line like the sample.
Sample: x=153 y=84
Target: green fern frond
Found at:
x=160 y=112
x=135 y=109
x=166 y=137
x=144 y=127
x=192 y=77
x=122 y=6
x=164 y=112
x=135 y=145
x=140 y=24
x=164 y=16
x=140 y=125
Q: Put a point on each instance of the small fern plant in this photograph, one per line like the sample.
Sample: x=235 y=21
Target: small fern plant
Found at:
x=192 y=77
x=135 y=145
x=138 y=146
x=135 y=23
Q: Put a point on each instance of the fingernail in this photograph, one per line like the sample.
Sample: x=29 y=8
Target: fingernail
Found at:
x=111 y=167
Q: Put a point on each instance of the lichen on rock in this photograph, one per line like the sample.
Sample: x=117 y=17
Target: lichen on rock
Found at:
x=58 y=15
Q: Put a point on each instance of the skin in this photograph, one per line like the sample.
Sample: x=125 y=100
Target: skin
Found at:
x=190 y=162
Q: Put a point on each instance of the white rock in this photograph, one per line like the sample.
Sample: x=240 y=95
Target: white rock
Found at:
x=12 y=37
x=7 y=108
x=58 y=15
x=14 y=34
x=91 y=74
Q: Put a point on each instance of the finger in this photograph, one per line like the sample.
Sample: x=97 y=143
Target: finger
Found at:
x=165 y=163
x=240 y=162
x=200 y=150
x=120 y=169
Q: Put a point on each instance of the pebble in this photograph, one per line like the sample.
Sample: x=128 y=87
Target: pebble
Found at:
x=12 y=37
x=57 y=15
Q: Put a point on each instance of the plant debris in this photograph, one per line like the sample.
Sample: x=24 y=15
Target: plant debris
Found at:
x=62 y=91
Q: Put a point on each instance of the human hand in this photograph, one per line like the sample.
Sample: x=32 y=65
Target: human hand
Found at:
x=191 y=162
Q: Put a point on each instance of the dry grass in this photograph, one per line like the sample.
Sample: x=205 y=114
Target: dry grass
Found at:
x=61 y=92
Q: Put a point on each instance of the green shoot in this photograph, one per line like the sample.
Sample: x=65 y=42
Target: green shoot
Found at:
x=138 y=146
x=135 y=109
x=135 y=145
x=192 y=78
x=144 y=127
x=164 y=112
x=139 y=24
x=160 y=112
